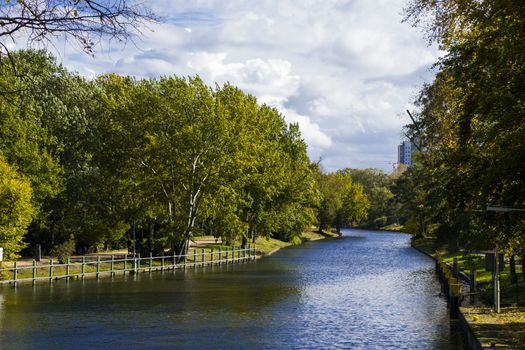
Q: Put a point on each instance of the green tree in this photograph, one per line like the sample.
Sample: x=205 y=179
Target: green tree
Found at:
x=342 y=202
x=377 y=186
x=25 y=137
x=470 y=118
x=151 y=161
x=16 y=210
x=269 y=175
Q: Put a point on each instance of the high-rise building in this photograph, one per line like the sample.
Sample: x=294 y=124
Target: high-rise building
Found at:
x=404 y=153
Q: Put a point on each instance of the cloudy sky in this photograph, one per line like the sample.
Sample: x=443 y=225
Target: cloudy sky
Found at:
x=345 y=70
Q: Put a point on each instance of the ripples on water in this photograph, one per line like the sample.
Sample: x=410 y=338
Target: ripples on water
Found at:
x=367 y=290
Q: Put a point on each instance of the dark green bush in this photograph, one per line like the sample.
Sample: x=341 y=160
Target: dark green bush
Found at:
x=64 y=251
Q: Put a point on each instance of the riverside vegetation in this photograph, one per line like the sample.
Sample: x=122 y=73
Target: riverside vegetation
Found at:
x=504 y=329
x=148 y=164
x=469 y=127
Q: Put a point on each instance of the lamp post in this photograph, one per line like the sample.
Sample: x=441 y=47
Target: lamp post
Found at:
x=497 y=292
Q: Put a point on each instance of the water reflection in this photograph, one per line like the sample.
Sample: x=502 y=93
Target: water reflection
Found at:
x=366 y=291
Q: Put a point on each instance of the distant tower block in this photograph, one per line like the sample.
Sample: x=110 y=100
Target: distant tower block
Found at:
x=404 y=153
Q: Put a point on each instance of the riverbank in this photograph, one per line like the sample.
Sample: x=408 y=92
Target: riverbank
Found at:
x=263 y=245
x=203 y=250
x=393 y=228
x=371 y=291
x=388 y=228
x=505 y=330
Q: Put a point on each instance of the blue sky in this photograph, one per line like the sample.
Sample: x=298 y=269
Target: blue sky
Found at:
x=346 y=71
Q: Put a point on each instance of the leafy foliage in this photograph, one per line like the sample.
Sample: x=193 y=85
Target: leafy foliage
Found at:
x=343 y=203
x=64 y=251
x=377 y=186
x=470 y=121
x=16 y=210
x=150 y=163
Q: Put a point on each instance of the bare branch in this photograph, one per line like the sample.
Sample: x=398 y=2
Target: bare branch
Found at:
x=82 y=20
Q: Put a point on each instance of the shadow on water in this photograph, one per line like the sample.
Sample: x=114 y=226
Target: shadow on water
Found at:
x=366 y=290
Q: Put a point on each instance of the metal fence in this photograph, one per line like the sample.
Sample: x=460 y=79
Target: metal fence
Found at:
x=122 y=264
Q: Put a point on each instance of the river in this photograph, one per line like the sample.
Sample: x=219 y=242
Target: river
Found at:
x=366 y=290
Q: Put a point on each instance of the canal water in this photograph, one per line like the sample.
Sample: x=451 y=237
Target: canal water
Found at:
x=366 y=290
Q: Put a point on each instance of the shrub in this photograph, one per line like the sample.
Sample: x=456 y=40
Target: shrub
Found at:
x=381 y=221
x=296 y=240
x=64 y=251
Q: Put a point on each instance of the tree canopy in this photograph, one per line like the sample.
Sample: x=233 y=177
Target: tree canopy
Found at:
x=470 y=120
x=16 y=210
x=343 y=203
x=150 y=163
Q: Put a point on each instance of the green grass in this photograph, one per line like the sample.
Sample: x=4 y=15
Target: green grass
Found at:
x=262 y=245
x=506 y=329
x=194 y=255
x=511 y=294
x=315 y=235
x=209 y=237
x=393 y=227
x=425 y=244
x=267 y=245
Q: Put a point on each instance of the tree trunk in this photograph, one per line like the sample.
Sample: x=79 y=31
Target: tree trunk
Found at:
x=249 y=233
x=134 y=238
x=523 y=265
x=512 y=265
x=422 y=228
x=151 y=234
x=180 y=248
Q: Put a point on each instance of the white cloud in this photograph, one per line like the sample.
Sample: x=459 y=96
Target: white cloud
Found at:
x=316 y=139
x=345 y=70
x=270 y=80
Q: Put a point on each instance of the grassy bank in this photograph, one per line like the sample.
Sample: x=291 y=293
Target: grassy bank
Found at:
x=202 y=245
x=505 y=330
x=265 y=246
x=392 y=227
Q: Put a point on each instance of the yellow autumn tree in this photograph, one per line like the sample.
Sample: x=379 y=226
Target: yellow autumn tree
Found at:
x=16 y=210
